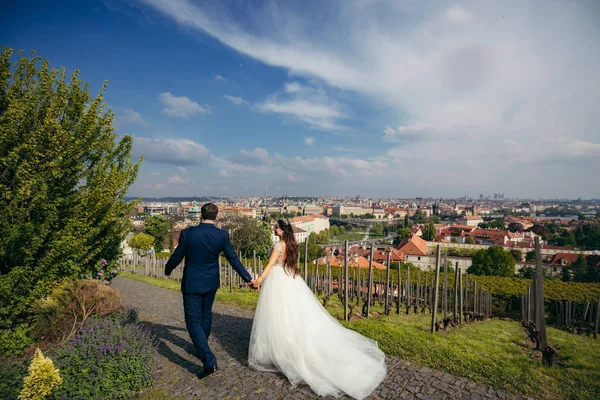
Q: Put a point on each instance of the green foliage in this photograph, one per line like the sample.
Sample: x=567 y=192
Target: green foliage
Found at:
x=554 y=290
x=497 y=223
x=530 y=256
x=314 y=250
x=429 y=232
x=252 y=235
x=470 y=240
x=12 y=373
x=141 y=242
x=493 y=261
x=63 y=176
x=43 y=378
x=377 y=229
x=109 y=358
x=14 y=341
x=403 y=233
x=157 y=227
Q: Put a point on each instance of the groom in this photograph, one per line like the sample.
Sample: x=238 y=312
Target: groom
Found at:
x=201 y=246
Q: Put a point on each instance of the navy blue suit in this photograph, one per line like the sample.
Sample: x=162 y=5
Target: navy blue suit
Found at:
x=201 y=246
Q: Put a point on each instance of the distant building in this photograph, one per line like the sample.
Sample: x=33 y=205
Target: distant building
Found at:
x=310 y=209
x=470 y=220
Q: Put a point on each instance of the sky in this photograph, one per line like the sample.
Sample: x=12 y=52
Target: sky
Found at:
x=351 y=97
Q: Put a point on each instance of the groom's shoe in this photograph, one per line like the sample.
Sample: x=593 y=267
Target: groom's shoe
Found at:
x=206 y=371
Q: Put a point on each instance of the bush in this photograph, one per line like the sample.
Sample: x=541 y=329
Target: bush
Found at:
x=70 y=304
x=15 y=341
x=11 y=378
x=42 y=378
x=109 y=358
x=64 y=175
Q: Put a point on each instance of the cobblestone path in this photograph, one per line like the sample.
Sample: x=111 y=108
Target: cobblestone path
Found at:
x=162 y=311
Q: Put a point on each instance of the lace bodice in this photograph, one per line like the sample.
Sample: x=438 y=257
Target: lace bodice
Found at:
x=279 y=248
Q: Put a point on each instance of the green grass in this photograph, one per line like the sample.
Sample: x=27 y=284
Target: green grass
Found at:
x=493 y=352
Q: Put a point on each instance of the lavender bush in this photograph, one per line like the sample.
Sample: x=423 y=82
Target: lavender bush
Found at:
x=109 y=358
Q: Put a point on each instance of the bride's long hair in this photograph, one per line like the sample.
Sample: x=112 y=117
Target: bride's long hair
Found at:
x=291 y=246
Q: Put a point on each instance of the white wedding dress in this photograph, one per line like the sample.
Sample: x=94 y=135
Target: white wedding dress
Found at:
x=294 y=334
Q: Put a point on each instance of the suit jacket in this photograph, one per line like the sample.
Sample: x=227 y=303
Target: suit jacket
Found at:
x=201 y=246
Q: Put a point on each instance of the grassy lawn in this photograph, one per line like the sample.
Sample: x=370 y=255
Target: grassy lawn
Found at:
x=493 y=352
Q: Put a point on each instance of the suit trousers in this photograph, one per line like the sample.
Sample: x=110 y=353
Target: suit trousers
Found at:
x=198 y=321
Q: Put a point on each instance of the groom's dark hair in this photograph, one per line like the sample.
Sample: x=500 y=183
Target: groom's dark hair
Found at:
x=209 y=211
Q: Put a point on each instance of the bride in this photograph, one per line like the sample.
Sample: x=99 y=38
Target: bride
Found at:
x=294 y=334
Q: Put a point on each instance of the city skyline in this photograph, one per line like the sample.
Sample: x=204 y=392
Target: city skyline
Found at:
x=378 y=99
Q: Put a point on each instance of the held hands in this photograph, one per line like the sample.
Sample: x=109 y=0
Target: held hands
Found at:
x=255 y=283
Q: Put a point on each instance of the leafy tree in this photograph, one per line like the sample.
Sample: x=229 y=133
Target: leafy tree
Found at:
x=492 y=261
x=515 y=227
x=454 y=240
x=588 y=236
x=252 y=235
x=314 y=250
x=63 y=176
x=530 y=256
x=566 y=274
x=435 y=219
x=142 y=242
x=429 y=232
x=406 y=220
x=470 y=240
x=527 y=272
x=580 y=269
x=419 y=217
x=377 y=229
x=157 y=227
x=517 y=255
x=565 y=239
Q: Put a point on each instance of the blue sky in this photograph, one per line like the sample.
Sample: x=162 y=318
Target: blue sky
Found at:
x=377 y=98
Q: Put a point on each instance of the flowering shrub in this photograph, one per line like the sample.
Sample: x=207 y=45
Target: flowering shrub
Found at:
x=102 y=273
x=42 y=378
x=70 y=304
x=109 y=358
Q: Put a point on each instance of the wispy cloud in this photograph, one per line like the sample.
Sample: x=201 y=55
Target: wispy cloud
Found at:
x=308 y=104
x=236 y=100
x=177 y=179
x=219 y=78
x=130 y=116
x=181 y=106
x=170 y=151
x=309 y=140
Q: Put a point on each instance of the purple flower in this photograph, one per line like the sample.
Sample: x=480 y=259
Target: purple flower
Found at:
x=103 y=262
x=100 y=273
x=105 y=282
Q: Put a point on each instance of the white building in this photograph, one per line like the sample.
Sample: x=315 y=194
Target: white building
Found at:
x=470 y=220
x=310 y=209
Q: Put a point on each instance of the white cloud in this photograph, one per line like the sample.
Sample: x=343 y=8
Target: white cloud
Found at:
x=308 y=104
x=158 y=186
x=177 y=179
x=170 y=151
x=309 y=140
x=181 y=169
x=224 y=173
x=457 y=14
x=180 y=106
x=484 y=74
x=236 y=100
x=130 y=116
x=219 y=78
